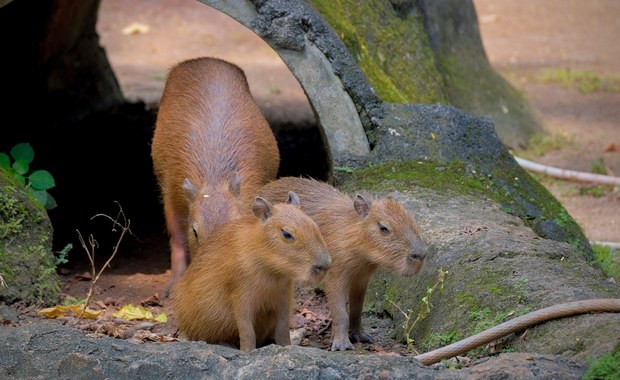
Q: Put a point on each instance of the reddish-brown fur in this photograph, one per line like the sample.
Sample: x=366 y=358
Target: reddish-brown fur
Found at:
x=361 y=236
x=240 y=292
x=212 y=149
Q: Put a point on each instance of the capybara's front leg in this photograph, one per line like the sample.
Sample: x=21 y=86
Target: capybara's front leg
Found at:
x=282 y=334
x=244 y=317
x=357 y=293
x=337 y=302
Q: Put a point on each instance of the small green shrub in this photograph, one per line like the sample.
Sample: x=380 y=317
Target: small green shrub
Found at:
x=37 y=182
x=606 y=367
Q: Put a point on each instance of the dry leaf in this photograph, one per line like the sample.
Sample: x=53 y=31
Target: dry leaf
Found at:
x=63 y=311
x=612 y=148
x=151 y=301
x=132 y=312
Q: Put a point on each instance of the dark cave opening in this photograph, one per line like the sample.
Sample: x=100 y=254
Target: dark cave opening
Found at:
x=104 y=159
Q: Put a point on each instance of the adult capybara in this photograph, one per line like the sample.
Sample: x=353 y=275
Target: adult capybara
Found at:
x=361 y=236
x=240 y=291
x=212 y=149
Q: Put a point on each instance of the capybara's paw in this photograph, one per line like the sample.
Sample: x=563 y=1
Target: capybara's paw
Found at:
x=361 y=337
x=342 y=345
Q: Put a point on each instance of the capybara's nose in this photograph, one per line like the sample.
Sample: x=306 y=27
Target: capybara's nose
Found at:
x=323 y=264
x=418 y=250
x=320 y=268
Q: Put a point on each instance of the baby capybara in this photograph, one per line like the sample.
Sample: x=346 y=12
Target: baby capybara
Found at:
x=240 y=292
x=361 y=235
x=212 y=149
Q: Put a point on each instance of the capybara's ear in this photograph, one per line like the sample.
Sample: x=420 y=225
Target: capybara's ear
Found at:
x=262 y=209
x=362 y=205
x=235 y=184
x=191 y=191
x=293 y=199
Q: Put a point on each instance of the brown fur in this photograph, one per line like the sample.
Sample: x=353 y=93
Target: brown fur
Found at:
x=240 y=293
x=358 y=246
x=212 y=149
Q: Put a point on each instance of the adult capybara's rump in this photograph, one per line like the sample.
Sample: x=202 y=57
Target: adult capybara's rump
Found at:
x=212 y=149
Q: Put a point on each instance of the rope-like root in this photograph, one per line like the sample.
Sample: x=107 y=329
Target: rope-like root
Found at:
x=520 y=323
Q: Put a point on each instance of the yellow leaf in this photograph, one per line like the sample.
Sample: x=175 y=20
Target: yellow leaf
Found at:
x=162 y=318
x=131 y=312
x=62 y=311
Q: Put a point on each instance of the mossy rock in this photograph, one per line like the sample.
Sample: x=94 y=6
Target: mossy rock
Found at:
x=446 y=149
x=27 y=263
x=391 y=48
x=509 y=246
x=498 y=269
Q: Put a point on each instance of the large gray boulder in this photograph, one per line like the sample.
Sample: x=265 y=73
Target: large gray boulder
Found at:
x=509 y=246
x=49 y=350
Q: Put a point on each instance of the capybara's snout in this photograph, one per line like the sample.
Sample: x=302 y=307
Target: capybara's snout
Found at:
x=322 y=263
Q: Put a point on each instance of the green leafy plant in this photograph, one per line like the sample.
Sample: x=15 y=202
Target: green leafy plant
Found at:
x=408 y=325
x=605 y=367
x=37 y=182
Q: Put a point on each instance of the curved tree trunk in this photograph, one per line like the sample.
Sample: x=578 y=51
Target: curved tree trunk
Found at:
x=471 y=83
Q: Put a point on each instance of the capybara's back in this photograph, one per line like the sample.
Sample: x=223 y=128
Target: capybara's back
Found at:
x=241 y=293
x=212 y=149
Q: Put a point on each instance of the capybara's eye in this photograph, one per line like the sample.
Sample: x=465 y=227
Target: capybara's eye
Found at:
x=287 y=235
x=383 y=228
x=194 y=230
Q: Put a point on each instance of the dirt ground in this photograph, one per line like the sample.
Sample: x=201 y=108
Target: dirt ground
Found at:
x=523 y=39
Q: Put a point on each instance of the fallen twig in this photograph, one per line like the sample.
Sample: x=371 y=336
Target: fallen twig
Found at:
x=568 y=174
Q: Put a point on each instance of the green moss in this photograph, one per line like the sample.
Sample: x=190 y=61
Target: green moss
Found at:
x=6 y=269
x=26 y=261
x=608 y=260
x=403 y=175
x=499 y=303
x=391 y=49
x=12 y=213
x=440 y=340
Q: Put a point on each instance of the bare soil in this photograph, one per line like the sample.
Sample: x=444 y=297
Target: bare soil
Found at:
x=526 y=39
x=523 y=38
